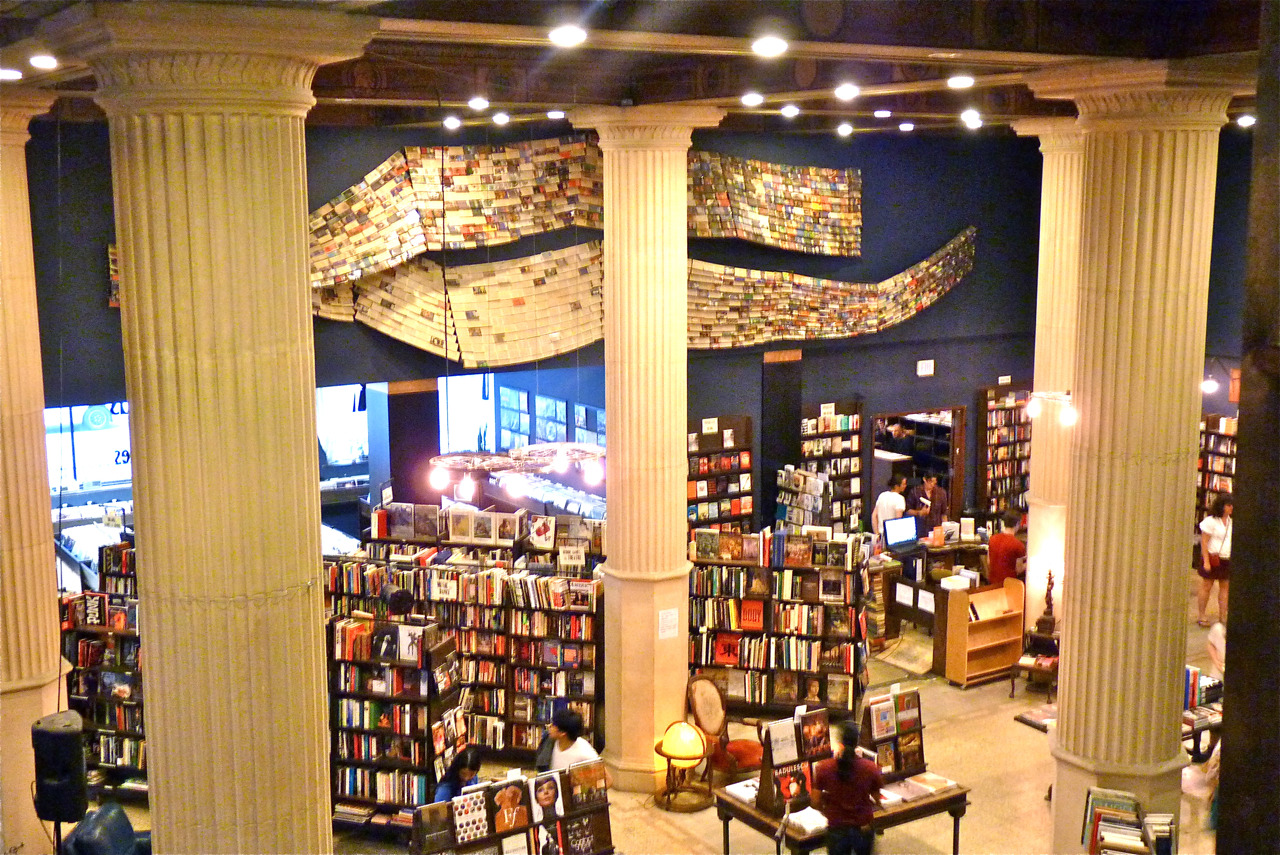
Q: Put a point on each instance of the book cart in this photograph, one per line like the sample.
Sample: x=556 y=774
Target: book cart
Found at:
x=101 y=641
x=831 y=445
x=1004 y=448
x=525 y=618
x=565 y=811
x=720 y=488
x=776 y=620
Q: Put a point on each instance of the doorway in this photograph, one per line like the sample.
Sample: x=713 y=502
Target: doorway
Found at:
x=919 y=444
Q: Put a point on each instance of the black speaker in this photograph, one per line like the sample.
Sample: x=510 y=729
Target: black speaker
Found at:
x=62 y=794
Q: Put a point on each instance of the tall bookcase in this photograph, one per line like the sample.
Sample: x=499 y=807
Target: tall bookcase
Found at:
x=721 y=489
x=100 y=639
x=1004 y=448
x=1217 y=465
x=395 y=719
x=782 y=628
x=831 y=444
x=527 y=628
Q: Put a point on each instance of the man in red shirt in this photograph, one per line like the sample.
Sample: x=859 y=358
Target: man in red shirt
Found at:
x=1005 y=549
x=846 y=789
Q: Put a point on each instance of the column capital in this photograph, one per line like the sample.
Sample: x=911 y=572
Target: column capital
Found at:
x=201 y=57
x=18 y=106
x=1150 y=94
x=1055 y=134
x=648 y=127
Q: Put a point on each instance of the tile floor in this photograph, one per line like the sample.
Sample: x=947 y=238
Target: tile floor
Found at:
x=970 y=736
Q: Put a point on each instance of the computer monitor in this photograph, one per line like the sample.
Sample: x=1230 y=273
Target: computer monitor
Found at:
x=900 y=534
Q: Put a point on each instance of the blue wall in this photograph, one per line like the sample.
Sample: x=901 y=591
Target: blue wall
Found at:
x=919 y=191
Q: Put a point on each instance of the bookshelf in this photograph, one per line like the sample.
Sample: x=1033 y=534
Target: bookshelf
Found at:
x=773 y=633
x=565 y=811
x=100 y=639
x=831 y=444
x=395 y=720
x=939 y=439
x=1216 y=468
x=1115 y=821
x=982 y=632
x=721 y=490
x=1004 y=448
x=526 y=619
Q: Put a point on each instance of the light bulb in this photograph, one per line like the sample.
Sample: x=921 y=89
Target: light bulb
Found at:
x=960 y=81
x=515 y=487
x=752 y=99
x=560 y=463
x=882 y=114
x=43 y=61
x=1034 y=408
x=467 y=488
x=847 y=91
x=790 y=111
x=769 y=46
x=478 y=103
x=438 y=479
x=1208 y=385
x=567 y=36
x=452 y=122
x=592 y=473
x=1246 y=121
x=501 y=118
x=10 y=74
x=1068 y=415
x=555 y=115
x=844 y=129
x=907 y=126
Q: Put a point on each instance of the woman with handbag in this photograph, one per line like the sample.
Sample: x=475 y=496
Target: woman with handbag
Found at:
x=1215 y=557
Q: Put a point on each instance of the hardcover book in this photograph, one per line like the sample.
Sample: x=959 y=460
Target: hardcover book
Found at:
x=470 y=819
x=549 y=839
x=706 y=544
x=815 y=729
x=400 y=523
x=751 y=615
x=410 y=644
x=798 y=550
x=547 y=800
x=542 y=532
x=432 y=828
x=883 y=722
x=730 y=546
x=587 y=784
x=783 y=744
x=385 y=641
x=840 y=692
x=426 y=522
x=907 y=709
x=785 y=688
x=483 y=527
x=885 y=757
x=726 y=648
x=508 y=805
x=792 y=783
x=911 y=750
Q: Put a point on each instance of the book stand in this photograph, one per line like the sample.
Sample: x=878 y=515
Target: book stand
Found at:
x=786 y=786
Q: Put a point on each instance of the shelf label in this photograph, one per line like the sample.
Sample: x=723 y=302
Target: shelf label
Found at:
x=924 y=600
x=827 y=409
x=711 y=425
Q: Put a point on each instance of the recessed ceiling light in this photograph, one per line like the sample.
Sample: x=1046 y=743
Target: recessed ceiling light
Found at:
x=555 y=114
x=567 y=36
x=43 y=61
x=452 y=122
x=501 y=118
x=478 y=103
x=844 y=129
x=1246 y=121
x=10 y=74
x=847 y=91
x=790 y=111
x=971 y=118
x=882 y=114
x=906 y=126
x=769 y=46
x=752 y=99
x=960 y=81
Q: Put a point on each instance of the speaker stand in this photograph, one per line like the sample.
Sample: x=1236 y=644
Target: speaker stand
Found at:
x=57 y=837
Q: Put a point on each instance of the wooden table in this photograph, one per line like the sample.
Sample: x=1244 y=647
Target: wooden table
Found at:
x=954 y=802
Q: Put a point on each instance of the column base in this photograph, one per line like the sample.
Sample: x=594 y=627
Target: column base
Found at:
x=1158 y=788
x=22 y=830
x=635 y=778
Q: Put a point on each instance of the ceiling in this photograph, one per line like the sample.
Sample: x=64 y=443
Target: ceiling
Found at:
x=430 y=56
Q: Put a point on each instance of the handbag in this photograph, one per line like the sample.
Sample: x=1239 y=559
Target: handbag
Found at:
x=1215 y=561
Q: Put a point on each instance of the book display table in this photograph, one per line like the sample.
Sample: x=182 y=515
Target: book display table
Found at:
x=954 y=802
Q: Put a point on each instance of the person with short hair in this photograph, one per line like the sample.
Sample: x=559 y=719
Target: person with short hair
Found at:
x=1215 y=557
x=1005 y=549
x=890 y=505
x=928 y=503
x=566 y=729
x=846 y=789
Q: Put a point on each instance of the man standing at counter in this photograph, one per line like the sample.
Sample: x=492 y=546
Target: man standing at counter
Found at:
x=928 y=504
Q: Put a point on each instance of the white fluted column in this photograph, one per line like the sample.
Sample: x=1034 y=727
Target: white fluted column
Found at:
x=28 y=581
x=646 y=368
x=1057 y=291
x=1151 y=142
x=206 y=108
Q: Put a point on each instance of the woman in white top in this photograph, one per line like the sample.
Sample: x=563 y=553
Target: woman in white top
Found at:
x=1215 y=557
x=890 y=505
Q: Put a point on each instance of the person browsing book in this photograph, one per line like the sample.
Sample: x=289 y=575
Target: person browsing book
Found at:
x=569 y=746
x=1215 y=557
x=1005 y=550
x=890 y=505
x=462 y=772
x=928 y=504
x=846 y=789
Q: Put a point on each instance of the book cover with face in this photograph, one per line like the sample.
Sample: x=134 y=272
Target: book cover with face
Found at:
x=548 y=800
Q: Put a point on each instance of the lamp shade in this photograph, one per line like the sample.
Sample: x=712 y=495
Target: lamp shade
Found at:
x=683 y=744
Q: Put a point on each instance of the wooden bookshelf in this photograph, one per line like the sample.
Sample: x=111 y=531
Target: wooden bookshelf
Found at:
x=1216 y=468
x=831 y=444
x=100 y=639
x=721 y=486
x=775 y=636
x=982 y=630
x=1004 y=448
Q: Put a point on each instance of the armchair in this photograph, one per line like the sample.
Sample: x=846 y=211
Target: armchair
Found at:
x=731 y=757
x=106 y=831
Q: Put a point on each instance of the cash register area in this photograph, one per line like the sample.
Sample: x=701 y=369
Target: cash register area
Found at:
x=972 y=738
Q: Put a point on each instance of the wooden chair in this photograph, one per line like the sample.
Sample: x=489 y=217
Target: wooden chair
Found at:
x=730 y=757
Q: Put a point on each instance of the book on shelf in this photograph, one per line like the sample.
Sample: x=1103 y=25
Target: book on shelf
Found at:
x=907 y=709
x=751 y=615
x=786 y=688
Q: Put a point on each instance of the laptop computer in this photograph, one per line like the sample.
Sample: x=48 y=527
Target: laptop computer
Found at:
x=899 y=536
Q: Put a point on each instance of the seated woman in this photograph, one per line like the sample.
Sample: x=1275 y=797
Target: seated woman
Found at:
x=462 y=772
